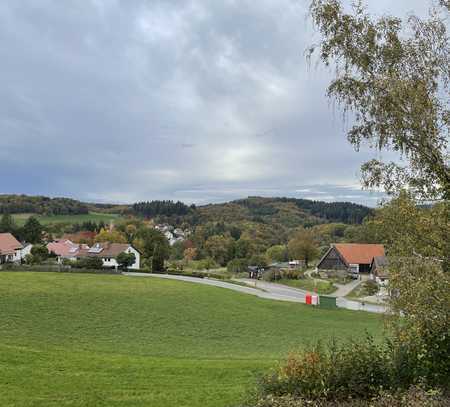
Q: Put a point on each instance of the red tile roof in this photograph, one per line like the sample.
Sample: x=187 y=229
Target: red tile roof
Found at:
x=103 y=250
x=64 y=248
x=8 y=243
x=359 y=253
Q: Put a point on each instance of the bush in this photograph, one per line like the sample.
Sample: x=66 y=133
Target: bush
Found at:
x=292 y=274
x=336 y=372
x=205 y=264
x=237 y=266
x=413 y=397
x=369 y=287
x=272 y=275
x=93 y=263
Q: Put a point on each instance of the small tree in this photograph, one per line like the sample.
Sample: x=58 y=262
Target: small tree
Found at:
x=303 y=247
x=277 y=253
x=126 y=260
x=157 y=259
x=32 y=231
x=39 y=254
x=258 y=260
x=237 y=266
x=190 y=253
x=112 y=236
x=7 y=224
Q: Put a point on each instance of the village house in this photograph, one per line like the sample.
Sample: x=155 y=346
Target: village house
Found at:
x=10 y=249
x=26 y=250
x=65 y=249
x=354 y=258
x=379 y=269
x=108 y=252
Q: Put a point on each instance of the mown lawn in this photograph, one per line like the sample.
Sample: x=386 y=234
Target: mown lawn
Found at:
x=45 y=220
x=89 y=340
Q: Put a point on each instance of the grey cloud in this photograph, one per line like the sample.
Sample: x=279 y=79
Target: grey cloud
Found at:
x=196 y=100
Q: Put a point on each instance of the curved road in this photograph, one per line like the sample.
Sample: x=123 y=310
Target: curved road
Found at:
x=264 y=289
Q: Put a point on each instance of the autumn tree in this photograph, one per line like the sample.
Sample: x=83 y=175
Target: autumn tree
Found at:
x=190 y=253
x=147 y=239
x=394 y=77
x=220 y=248
x=277 y=253
x=303 y=247
x=111 y=236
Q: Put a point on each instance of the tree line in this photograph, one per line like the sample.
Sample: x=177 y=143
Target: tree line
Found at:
x=41 y=205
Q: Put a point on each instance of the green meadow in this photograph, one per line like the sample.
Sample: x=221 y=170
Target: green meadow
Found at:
x=45 y=220
x=90 y=340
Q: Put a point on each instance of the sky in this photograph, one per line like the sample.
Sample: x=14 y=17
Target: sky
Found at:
x=193 y=100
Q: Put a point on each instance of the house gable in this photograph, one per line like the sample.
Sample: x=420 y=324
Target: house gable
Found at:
x=332 y=260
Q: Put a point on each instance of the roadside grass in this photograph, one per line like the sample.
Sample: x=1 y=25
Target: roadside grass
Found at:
x=89 y=340
x=310 y=284
x=21 y=218
x=360 y=291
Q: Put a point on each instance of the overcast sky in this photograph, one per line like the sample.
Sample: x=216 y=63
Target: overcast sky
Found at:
x=196 y=100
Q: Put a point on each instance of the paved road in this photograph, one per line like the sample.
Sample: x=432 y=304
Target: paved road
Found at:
x=273 y=294
x=264 y=289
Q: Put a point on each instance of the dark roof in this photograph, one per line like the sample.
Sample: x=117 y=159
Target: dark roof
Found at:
x=379 y=266
x=380 y=261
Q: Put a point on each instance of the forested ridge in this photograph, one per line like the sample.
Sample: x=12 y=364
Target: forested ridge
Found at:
x=285 y=212
x=288 y=212
x=41 y=205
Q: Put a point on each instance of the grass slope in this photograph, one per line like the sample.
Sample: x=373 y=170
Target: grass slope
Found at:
x=45 y=220
x=309 y=284
x=89 y=340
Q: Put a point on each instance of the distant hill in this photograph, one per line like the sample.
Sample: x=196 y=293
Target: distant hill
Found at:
x=41 y=205
x=280 y=212
x=288 y=212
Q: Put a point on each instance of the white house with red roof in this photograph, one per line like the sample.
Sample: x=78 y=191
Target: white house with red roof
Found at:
x=10 y=249
x=108 y=252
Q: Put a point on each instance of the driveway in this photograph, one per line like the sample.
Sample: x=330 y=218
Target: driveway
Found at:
x=345 y=289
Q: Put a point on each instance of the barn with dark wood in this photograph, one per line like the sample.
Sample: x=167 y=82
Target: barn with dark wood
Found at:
x=352 y=257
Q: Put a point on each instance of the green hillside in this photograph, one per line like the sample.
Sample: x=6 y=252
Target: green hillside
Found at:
x=21 y=218
x=88 y=340
x=289 y=212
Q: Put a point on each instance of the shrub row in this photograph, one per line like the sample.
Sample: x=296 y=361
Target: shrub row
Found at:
x=290 y=274
x=415 y=396
x=353 y=370
x=55 y=268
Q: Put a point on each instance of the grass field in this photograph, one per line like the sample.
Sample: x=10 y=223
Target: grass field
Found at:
x=89 y=340
x=309 y=284
x=45 y=220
